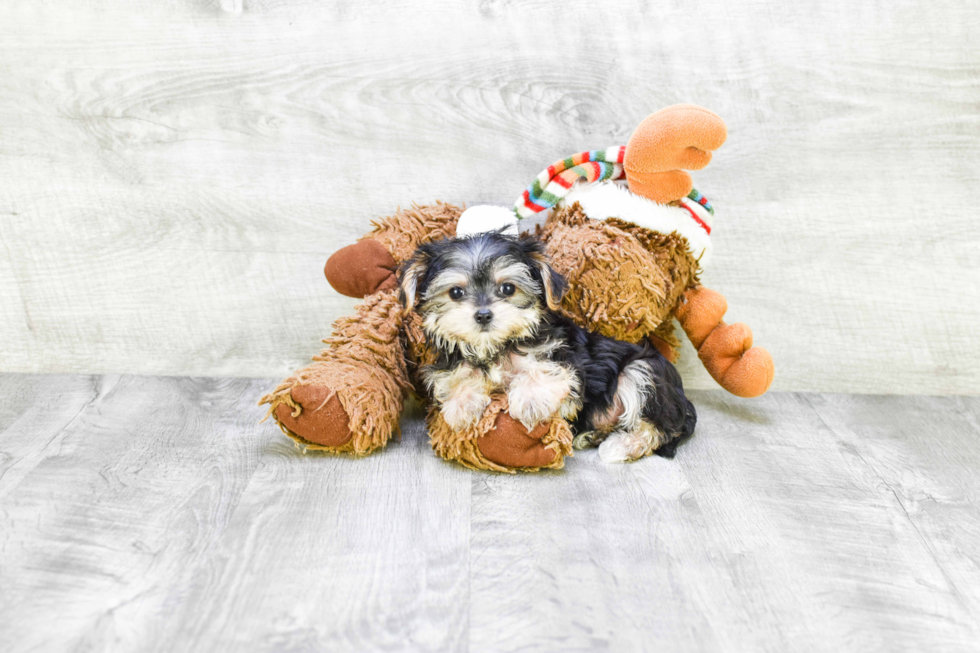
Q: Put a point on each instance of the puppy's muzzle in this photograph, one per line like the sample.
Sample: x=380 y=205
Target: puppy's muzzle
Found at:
x=483 y=316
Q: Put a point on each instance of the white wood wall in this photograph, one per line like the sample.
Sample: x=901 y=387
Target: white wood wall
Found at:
x=173 y=174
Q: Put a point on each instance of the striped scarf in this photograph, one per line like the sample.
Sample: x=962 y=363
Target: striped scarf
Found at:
x=554 y=182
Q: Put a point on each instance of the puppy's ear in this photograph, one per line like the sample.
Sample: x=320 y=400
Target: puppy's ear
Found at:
x=554 y=284
x=409 y=276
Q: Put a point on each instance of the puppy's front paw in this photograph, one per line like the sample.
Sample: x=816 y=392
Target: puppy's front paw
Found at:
x=528 y=409
x=463 y=411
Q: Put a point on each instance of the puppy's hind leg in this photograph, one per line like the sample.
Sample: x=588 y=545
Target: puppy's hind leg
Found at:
x=625 y=446
x=656 y=415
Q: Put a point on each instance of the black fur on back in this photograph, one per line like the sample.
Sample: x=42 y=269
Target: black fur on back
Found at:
x=599 y=360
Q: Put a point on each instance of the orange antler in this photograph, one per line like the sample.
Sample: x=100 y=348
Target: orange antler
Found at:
x=676 y=138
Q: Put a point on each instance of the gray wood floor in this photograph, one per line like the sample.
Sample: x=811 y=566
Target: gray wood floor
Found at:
x=151 y=513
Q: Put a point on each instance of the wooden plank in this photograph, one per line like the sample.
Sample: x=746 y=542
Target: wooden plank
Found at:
x=925 y=456
x=765 y=533
x=35 y=412
x=333 y=554
x=819 y=552
x=103 y=534
x=175 y=174
x=574 y=561
x=164 y=517
x=151 y=513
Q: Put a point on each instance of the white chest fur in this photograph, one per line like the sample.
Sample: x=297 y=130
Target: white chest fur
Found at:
x=536 y=387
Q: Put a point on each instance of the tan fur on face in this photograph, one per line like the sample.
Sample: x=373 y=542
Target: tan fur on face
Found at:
x=456 y=327
x=451 y=324
x=552 y=300
x=465 y=288
x=515 y=273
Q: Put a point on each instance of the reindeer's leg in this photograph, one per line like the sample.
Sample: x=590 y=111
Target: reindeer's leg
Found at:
x=350 y=397
x=369 y=265
x=725 y=349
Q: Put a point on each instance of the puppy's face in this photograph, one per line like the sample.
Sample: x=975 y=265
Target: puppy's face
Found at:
x=478 y=293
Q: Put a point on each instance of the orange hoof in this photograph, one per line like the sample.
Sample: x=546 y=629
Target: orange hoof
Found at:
x=511 y=445
x=676 y=138
x=325 y=423
x=732 y=361
x=361 y=269
x=751 y=375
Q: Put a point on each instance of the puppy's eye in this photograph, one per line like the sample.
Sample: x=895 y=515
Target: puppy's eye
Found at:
x=507 y=289
x=456 y=293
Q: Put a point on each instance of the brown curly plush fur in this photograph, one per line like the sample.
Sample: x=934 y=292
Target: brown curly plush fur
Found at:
x=464 y=446
x=364 y=364
x=403 y=232
x=624 y=281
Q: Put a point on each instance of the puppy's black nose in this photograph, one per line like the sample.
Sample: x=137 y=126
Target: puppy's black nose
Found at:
x=483 y=316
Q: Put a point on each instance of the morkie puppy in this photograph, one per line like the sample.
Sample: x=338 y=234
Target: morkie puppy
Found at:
x=489 y=305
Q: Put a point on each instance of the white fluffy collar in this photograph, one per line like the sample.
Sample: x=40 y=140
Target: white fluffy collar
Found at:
x=610 y=200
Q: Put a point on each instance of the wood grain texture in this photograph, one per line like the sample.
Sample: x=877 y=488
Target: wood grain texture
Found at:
x=770 y=531
x=155 y=513
x=120 y=507
x=175 y=174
